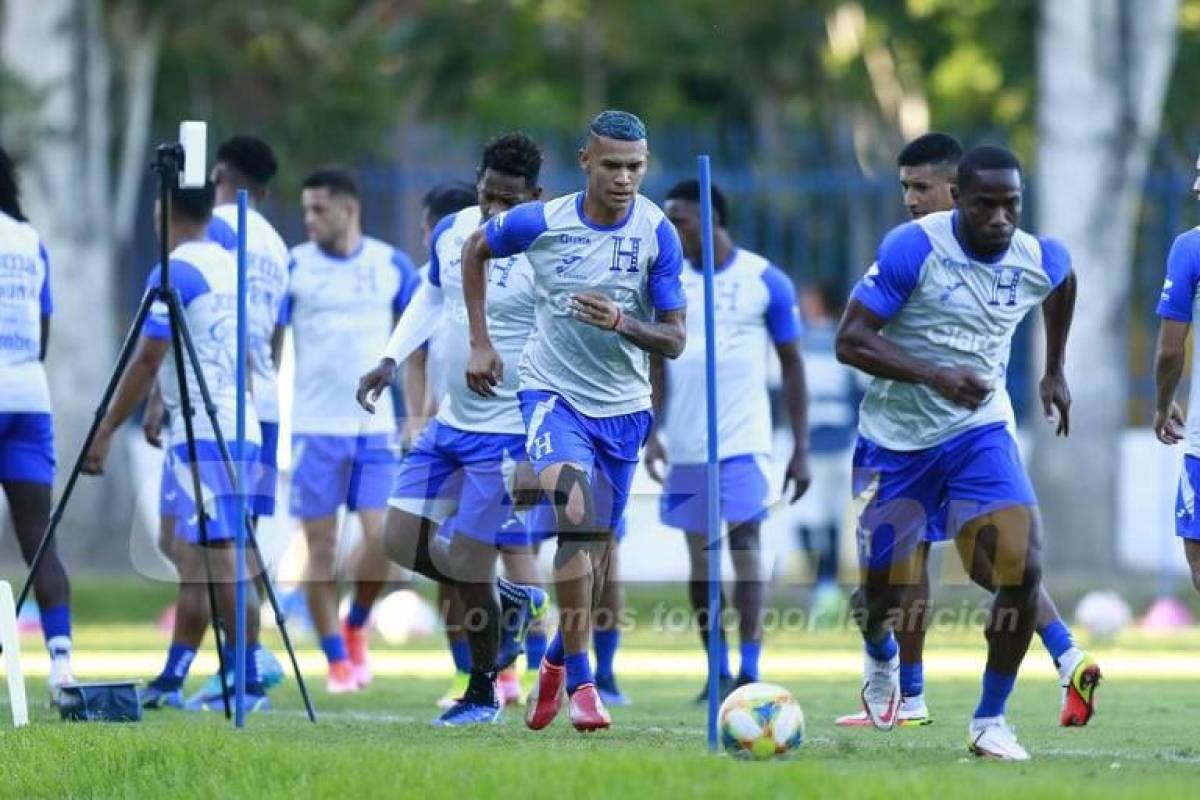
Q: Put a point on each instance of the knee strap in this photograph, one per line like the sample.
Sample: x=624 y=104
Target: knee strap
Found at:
x=571 y=477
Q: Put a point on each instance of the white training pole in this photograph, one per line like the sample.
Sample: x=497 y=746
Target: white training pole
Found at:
x=10 y=638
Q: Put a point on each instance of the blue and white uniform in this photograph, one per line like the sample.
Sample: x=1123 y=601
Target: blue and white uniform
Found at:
x=205 y=275
x=341 y=309
x=755 y=304
x=921 y=460
x=1179 y=301
x=266 y=283
x=462 y=464
x=26 y=425
x=585 y=392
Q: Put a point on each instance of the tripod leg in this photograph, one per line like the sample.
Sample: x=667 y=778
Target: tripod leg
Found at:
x=126 y=352
x=179 y=323
x=280 y=618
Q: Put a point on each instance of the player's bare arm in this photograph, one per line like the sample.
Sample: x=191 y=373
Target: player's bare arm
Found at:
x=860 y=345
x=1169 y=357
x=1058 y=309
x=795 y=399
x=665 y=336
x=485 y=368
x=153 y=416
x=134 y=386
x=654 y=456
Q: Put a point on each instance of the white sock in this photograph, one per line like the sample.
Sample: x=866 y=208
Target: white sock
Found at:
x=59 y=646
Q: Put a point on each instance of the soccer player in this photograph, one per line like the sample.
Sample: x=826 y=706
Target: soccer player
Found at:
x=755 y=303
x=26 y=421
x=345 y=291
x=932 y=320
x=469 y=461
x=927 y=176
x=205 y=275
x=1176 y=307
x=606 y=265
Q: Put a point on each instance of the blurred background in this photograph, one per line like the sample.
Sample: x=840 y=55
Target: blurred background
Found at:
x=803 y=105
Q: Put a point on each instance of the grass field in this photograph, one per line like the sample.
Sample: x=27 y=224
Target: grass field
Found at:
x=379 y=743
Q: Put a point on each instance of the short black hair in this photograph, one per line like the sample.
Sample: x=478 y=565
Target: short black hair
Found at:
x=935 y=149
x=689 y=190
x=619 y=125
x=250 y=157
x=10 y=190
x=193 y=203
x=985 y=157
x=448 y=198
x=338 y=180
x=513 y=154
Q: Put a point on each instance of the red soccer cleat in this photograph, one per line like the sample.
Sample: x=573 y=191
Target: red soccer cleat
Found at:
x=546 y=698
x=587 y=710
x=1079 y=694
x=356 y=651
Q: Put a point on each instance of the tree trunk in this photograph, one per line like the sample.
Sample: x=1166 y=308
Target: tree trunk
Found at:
x=1103 y=70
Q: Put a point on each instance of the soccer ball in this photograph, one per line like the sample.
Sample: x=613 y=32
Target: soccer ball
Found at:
x=760 y=721
x=1103 y=614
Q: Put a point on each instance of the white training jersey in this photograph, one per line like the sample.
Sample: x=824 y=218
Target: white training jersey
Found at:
x=510 y=304
x=946 y=306
x=341 y=309
x=635 y=262
x=24 y=299
x=435 y=345
x=1180 y=301
x=205 y=275
x=754 y=303
x=266 y=286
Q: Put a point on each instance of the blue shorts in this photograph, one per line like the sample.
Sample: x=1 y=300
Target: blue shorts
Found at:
x=743 y=494
x=1185 y=502
x=177 y=492
x=461 y=480
x=907 y=497
x=267 y=474
x=27 y=447
x=606 y=447
x=333 y=470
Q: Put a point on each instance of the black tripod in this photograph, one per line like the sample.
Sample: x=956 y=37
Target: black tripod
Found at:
x=167 y=165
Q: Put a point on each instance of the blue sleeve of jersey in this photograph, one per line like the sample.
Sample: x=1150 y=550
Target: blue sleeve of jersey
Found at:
x=47 y=298
x=783 y=318
x=190 y=284
x=1183 y=270
x=435 y=266
x=666 y=290
x=285 y=304
x=890 y=280
x=1056 y=261
x=410 y=279
x=222 y=233
x=516 y=229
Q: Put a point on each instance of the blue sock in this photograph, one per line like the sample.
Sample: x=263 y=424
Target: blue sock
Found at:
x=460 y=651
x=1057 y=638
x=334 y=647
x=883 y=650
x=579 y=671
x=56 y=622
x=175 y=671
x=750 y=651
x=253 y=678
x=535 y=648
x=606 y=644
x=556 y=653
x=357 y=617
x=912 y=679
x=996 y=689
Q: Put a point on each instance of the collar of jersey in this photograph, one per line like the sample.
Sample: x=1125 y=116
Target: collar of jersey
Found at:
x=602 y=228
x=966 y=250
x=362 y=242
x=733 y=254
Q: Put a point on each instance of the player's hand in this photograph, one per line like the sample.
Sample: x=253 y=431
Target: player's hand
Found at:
x=655 y=458
x=961 y=386
x=526 y=488
x=152 y=421
x=797 y=475
x=1168 y=425
x=485 y=369
x=1055 y=394
x=595 y=309
x=93 y=462
x=373 y=384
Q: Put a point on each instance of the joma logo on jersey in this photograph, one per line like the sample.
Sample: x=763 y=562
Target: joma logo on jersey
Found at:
x=625 y=256
x=566 y=263
x=1004 y=287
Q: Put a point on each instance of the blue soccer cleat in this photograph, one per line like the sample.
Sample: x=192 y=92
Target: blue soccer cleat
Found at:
x=519 y=609
x=468 y=712
x=610 y=693
x=254 y=702
x=269 y=670
x=154 y=698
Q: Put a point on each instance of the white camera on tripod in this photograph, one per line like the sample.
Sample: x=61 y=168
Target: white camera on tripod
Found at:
x=193 y=138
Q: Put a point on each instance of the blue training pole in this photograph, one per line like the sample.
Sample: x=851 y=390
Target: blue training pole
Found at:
x=710 y=409
x=239 y=550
